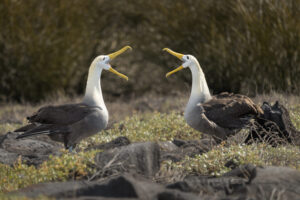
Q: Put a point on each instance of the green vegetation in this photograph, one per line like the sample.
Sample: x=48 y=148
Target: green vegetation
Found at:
x=151 y=127
x=213 y=162
x=46 y=46
x=295 y=116
x=140 y=127
x=66 y=167
x=147 y=127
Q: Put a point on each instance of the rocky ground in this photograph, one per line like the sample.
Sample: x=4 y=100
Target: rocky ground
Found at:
x=127 y=167
x=128 y=170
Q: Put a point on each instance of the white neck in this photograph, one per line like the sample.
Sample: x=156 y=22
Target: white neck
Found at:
x=200 y=92
x=93 y=93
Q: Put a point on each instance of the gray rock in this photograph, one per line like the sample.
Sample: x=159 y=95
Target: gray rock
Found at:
x=8 y=158
x=275 y=183
x=116 y=187
x=2 y=138
x=208 y=186
x=201 y=146
x=28 y=147
x=122 y=187
x=177 y=195
x=32 y=151
x=182 y=148
x=143 y=158
x=167 y=146
x=118 y=142
x=245 y=182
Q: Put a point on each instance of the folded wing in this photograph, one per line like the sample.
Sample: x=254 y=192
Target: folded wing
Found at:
x=230 y=111
x=55 y=119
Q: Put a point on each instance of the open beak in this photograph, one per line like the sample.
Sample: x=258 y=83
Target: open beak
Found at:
x=117 y=53
x=179 y=56
x=118 y=73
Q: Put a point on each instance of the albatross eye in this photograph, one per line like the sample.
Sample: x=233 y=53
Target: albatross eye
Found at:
x=104 y=58
x=187 y=57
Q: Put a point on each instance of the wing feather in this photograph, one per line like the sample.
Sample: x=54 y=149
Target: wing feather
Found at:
x=228 y=110
x=46 y=129
x=63 y=114
x=54 y=120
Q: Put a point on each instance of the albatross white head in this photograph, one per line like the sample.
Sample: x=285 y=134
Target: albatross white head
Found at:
x=200 y=92
x=93 y=94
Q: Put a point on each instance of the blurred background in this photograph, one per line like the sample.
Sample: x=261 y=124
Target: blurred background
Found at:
x=248 y=47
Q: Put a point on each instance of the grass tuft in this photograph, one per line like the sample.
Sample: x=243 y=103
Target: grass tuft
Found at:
x=66 y=167
x=295 y=116
x=213 y=162
x=147 y=127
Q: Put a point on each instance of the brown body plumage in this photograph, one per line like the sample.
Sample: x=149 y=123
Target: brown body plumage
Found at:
x=229 y=110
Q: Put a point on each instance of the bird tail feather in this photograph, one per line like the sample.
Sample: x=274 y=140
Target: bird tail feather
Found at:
x=46 y=129
x=32 y=133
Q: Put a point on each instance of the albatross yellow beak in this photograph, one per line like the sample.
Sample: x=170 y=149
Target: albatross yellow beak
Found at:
x=117 y=53
x=118 y=73
x=178 y=55
x=174 y=71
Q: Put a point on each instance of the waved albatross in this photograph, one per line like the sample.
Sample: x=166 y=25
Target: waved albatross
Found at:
x=220 y=115
x=70 y=123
